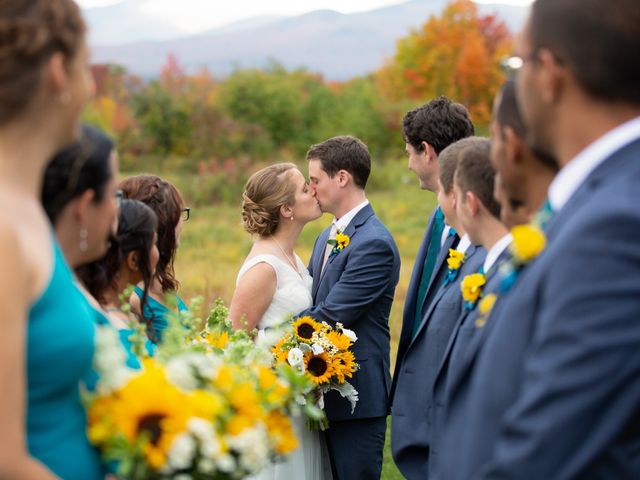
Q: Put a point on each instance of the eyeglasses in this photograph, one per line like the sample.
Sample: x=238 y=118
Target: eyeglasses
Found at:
x=119 y=195
x=186 y=213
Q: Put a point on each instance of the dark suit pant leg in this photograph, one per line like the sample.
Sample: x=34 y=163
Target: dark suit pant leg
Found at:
x=355 y=448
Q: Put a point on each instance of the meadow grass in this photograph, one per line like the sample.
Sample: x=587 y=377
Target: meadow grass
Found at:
x=214 y=245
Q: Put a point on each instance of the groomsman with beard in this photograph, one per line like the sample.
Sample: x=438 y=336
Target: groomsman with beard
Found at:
x=410 y=429
x=478 y=212
x=427 y=131
x=564 y=346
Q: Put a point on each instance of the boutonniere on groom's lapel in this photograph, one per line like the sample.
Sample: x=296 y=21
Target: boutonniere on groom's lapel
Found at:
x=471 y=287
x=339 y=243
x=528 y=243
x=454 y=262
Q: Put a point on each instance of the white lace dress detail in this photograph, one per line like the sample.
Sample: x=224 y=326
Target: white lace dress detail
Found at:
x=293 y=294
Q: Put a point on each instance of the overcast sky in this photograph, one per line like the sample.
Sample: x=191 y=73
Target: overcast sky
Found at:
x=194 y=15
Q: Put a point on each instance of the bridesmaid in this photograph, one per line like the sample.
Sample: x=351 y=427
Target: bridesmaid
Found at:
x=46 y=345
x=167 y=203
x=131 y=259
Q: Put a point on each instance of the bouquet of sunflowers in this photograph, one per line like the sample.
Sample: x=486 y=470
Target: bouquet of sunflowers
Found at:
x=323 y=353
x=208 y=405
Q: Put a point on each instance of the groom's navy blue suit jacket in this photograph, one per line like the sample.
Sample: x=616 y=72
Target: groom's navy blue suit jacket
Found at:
x=356 y=288
x=555 y=391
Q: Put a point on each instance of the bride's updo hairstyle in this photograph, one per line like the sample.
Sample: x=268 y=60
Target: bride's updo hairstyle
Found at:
x=265 y=192
x=30 y=31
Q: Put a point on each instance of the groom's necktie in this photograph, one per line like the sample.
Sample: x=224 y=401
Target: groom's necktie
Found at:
x=329 y=247
x=429 y=263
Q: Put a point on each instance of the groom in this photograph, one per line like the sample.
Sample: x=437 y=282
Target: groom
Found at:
x=355 y=287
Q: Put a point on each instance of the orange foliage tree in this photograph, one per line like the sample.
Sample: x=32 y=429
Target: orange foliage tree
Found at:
x=456 y=54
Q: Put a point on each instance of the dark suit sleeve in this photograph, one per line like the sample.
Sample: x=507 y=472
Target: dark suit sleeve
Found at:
x=581 y=376
x=310 y=266
x=366 y=277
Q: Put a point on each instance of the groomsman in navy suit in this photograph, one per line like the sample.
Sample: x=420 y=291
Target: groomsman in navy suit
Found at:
x=354 y=286
x=478 y=212
x=427 y=131
x=559 y=374
x=410 y=429
x=520 y=186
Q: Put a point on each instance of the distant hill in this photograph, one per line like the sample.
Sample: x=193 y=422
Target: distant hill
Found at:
x=337 y=45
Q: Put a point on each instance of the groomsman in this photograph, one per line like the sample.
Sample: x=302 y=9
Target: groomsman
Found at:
x=558 y=376
x=427 y=131
x=410 y=429
x=478 y=212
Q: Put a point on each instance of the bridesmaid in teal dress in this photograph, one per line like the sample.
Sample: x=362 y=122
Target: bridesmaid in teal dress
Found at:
x=132 y=258
x=167 y=203
x=46 y=344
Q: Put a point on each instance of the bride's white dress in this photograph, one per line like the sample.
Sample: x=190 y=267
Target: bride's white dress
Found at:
x=292 y=295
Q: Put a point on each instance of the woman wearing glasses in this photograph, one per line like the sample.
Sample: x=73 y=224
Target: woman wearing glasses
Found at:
x=47 y=340
x=167 y=203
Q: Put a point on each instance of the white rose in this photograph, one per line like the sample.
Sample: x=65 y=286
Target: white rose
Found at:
x=317 y=349
x=350 y=334
x=295 y=357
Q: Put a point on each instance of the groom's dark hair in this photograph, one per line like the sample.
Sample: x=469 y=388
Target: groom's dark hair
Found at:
x=343 y=153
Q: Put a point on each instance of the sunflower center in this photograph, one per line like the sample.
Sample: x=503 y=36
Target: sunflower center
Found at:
x=305 y=331
x=317 y=366
x=151 y=424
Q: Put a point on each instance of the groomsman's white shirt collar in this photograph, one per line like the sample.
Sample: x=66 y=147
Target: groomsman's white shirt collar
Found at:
x=495 y=251
x=344 y=221
x=463 y=244
x=576 y=172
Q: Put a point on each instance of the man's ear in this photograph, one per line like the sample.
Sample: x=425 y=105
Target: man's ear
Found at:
x=513 y=145
x=473 y=202
x=132 y=261
x=552 y=77
x=344 y=178
x=429 y=152
x=81 y=206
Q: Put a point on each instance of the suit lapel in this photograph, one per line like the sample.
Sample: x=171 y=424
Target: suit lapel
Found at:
x=442 y=256
x=361 y=217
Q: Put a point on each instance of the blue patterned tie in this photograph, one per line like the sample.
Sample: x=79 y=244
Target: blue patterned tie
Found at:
x=433 y=250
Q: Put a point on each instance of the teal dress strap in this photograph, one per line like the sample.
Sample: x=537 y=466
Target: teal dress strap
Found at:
x=59 y=353
x=157 y=313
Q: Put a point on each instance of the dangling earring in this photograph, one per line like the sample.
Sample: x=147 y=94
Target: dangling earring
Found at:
x=291 y=218
x=84 y=246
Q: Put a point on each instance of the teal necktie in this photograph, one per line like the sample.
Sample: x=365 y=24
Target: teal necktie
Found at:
x=433 y=249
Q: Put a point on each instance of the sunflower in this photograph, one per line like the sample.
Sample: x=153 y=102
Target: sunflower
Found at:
x=344 y=364
x=304 y=328
x=341 y=341
x=342 y=241
x=150 y=407
x=318 y=367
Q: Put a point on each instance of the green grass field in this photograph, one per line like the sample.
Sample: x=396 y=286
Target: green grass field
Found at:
x=214 y=245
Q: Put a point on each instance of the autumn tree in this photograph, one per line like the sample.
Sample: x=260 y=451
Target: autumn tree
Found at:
x=456 y=54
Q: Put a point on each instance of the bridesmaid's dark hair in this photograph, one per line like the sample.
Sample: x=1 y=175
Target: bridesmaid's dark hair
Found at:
x=83 y=165
x=137 y=225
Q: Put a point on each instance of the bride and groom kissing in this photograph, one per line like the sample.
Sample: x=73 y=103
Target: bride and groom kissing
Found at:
x=353 y=285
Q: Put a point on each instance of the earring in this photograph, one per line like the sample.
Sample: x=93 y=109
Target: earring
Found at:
x=65 y=98
x=291 y=218
x=84 y=246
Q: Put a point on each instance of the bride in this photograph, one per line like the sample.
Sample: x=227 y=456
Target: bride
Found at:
x=274 y=283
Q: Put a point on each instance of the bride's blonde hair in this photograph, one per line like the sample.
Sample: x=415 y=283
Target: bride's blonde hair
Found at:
x=265 y=192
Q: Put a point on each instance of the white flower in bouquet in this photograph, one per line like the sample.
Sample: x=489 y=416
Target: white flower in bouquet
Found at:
x=317 y=349
x=350 y=334
x=295 y=357
x=110 y=360
x=252 y=446
x=226 y=463
x=182 y=452
x=188 y=370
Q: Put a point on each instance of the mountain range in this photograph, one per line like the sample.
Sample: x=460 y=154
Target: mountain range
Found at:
x=339 y=46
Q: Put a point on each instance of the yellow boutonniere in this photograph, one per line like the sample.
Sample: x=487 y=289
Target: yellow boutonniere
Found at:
x=454 y=262
x=528 y=242
x=339 y=243
x=455 y=259
x=484 y=308
x=471 y=288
